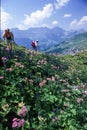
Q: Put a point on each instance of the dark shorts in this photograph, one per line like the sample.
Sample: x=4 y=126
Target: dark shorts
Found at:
x=8 y=41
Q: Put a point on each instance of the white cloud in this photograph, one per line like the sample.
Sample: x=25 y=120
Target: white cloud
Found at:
x=21 y=26
x=54 y=23
x=73 y=23
x=37 y=17
x=79 y=24
x=60 y=3
x=83 y=20
x=5 y=19
x=67 y=15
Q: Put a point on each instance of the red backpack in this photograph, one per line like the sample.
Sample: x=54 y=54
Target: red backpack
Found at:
x=33 y=44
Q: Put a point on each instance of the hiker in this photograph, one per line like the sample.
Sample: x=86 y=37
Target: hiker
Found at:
x=9 y=38
x=35 y=45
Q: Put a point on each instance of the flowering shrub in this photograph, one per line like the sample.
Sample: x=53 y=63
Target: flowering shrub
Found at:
x=23 y=111
x=16 y=123
x=43 y=92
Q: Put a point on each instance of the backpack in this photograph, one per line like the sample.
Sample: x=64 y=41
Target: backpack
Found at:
x=7 y=35
x=33 y=44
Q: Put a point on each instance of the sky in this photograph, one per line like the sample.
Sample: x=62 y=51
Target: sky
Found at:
x=24 y=14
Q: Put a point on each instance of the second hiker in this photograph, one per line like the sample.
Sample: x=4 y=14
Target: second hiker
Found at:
x=35 y=45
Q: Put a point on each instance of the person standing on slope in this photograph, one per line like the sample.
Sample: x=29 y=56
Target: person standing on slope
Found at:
x=9 y=38
x=35 y=45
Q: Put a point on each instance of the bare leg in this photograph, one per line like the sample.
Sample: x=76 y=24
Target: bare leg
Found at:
x=10 y=47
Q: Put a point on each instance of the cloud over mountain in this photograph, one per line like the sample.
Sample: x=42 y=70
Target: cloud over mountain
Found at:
x=36 y=17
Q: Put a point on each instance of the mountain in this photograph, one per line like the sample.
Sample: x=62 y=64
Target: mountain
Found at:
x=48 y=37
x=71 y=45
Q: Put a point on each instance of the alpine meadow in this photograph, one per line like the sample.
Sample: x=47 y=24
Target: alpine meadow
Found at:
x=41 y=91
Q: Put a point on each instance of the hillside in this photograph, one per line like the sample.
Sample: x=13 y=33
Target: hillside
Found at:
x=41 y=91
x=48 y=37
x=71 y=45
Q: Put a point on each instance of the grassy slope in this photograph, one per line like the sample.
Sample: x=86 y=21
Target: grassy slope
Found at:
x=58 y=82
x=65 y=63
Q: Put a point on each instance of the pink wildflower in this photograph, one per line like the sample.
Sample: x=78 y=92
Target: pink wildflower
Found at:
x=14 y=124
x=9 y=69
x=17 y=122
x=79 y=100
x=23 y=111
x=53 y=78
x=49 y=79
x=4 y=58
x=14 y=119
x=17 y=64
x=42 y=83
x=31 y=81
x=21 y=66
x=1 y=77
x=21 y=123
